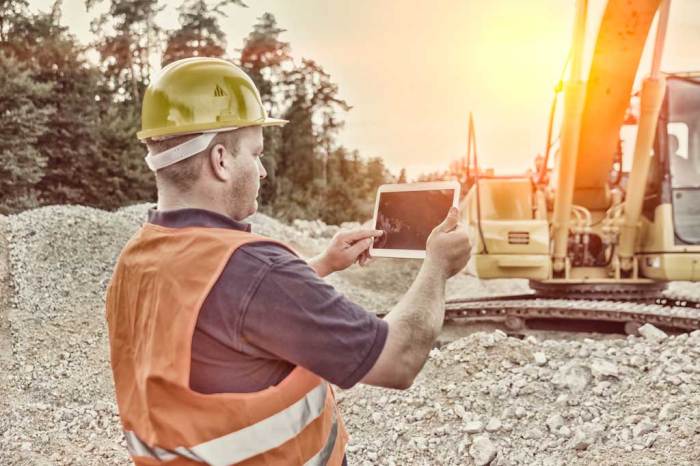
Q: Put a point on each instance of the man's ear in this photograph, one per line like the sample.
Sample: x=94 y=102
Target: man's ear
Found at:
x=220 y=164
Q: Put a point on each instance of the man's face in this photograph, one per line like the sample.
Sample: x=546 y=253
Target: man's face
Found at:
x=247 y=173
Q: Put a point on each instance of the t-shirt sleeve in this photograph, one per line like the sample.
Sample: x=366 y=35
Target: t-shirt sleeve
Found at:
x=296 y=316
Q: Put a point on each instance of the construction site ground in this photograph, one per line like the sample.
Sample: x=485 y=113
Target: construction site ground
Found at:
x=482 y=398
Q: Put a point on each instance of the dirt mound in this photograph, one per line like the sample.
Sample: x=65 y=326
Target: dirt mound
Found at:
x=482 y=398
x=488 y=397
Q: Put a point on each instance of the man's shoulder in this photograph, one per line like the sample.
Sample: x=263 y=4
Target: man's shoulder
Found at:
x=268 y=251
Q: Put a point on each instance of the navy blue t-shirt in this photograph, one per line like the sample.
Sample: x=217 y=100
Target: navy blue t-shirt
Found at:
x=268 y=312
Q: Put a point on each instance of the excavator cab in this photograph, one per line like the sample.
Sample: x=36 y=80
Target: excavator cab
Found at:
x=670 y=240
x=680 y=121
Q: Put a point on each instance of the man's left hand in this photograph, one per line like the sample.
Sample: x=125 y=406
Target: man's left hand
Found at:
x=346 y=248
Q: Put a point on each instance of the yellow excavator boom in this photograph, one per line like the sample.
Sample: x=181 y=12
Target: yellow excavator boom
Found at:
x=618 y=50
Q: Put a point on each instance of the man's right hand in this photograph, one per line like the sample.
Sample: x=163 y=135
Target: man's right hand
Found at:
x=416 y=320
x=448 y=245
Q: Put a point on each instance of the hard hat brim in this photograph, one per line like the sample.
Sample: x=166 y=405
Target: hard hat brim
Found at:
x=206 y=127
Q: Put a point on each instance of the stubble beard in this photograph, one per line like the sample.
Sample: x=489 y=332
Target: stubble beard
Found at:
x=242 y=204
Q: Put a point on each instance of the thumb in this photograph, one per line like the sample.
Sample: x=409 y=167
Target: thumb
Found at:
x=450 y=221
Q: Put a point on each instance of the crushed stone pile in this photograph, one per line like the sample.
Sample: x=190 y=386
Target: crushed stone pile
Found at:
x=484 y=399
x=492 y=399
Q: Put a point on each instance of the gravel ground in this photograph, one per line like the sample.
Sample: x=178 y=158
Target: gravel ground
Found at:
x=480 y=399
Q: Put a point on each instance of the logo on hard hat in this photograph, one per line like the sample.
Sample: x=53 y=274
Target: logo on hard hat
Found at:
x=218 y=92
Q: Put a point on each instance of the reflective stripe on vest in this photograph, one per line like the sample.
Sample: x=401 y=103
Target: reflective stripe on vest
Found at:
x=254 y=439
x=321 y=458
x=137 y=447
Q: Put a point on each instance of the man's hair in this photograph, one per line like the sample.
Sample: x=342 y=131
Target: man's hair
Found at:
x=183 y=174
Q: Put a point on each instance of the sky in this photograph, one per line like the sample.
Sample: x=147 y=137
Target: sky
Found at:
x=414 y=70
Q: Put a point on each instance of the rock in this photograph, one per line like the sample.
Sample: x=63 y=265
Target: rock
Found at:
x=637 y=361
x=493 y=425
x=649 y=440
x=555 y=422
x=420 y=442
x=533 y=434
x=482 y=450
x=581 y=440
x=573 y=376
x=625 y=435
x=473 y=427
x=668 y=411
x=459 y=411
x=464 y=443
x=487 y=340
x=644 y=427
x=687 y=429
x=540 y=358
x=602 y=367
x=650 y=332
x=600 y=388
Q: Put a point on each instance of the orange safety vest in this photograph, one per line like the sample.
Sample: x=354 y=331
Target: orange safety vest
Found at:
x=161 y=279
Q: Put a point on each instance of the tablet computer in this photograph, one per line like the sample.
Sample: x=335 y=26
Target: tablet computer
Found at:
x=407 y=213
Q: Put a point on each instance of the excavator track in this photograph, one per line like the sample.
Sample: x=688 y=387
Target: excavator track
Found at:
x=674 y=314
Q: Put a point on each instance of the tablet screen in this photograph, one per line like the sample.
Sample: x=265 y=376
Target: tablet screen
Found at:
x=408 y=217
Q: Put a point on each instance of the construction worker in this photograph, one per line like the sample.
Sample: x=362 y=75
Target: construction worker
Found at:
x=223 y=342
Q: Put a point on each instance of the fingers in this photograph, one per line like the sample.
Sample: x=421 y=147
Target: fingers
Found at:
x=357 y=235
x=359 y=247
x=451 y=221
x=365 y=258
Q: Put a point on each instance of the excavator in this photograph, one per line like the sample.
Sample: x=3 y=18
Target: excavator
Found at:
x=597 y=240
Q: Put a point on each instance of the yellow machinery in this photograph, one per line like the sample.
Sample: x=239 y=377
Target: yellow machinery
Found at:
x=590 y=227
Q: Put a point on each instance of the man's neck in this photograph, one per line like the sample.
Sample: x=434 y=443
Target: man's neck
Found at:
x=170 y=203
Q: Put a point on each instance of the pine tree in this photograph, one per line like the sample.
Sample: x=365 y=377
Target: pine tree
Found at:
x=297 y=157
x=10 y=12
x=77 y=142
x=22 y=121
x=129 y=37
x=402 y=176
x=200 y=33
x=264 y=57
x=341 y=193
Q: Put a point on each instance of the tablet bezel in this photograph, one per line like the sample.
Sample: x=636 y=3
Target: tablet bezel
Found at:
x=421 y=186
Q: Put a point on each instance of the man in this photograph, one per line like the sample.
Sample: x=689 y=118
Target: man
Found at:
x=223 y=342
x=682 y=170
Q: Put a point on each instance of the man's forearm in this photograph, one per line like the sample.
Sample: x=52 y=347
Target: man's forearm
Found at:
x=319 y=264
x=418 y=317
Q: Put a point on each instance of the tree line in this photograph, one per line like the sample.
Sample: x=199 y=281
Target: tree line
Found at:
x=68 y=121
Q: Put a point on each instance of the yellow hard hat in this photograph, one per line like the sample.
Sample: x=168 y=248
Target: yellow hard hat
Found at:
x=199 y=95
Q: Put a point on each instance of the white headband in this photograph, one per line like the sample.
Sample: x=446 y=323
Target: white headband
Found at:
x=180 y=152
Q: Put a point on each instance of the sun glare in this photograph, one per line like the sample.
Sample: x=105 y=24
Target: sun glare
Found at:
x=515 y=61
x=520 y=51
